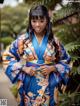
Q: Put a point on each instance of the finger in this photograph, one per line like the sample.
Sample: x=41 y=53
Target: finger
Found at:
x=42 y=67
x=44 y=72
x=38 y=68
x=33 y=72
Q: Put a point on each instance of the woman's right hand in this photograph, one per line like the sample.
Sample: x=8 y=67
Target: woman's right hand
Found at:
x=29 y=70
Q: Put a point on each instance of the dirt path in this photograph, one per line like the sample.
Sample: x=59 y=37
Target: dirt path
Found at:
x=5 y=92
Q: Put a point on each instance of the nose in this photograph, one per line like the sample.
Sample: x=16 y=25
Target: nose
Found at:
x=37 y=23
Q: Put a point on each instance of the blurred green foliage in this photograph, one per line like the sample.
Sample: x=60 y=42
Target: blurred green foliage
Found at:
x=14 y=20
x=6 y=40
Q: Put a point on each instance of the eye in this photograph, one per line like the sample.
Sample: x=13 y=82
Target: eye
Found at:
x=33 y=21
x=41 y=21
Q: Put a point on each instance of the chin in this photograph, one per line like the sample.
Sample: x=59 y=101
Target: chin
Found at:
x=38 y=31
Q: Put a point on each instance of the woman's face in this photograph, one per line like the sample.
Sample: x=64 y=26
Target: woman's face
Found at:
x=39 y=24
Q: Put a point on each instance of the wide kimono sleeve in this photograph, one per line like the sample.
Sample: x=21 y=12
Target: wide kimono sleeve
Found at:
x=12 y=61
x=63 y=66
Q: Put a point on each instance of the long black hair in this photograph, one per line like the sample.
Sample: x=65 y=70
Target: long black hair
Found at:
x=40 y=11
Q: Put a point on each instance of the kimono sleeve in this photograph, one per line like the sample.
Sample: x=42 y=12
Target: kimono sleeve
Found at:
x=11 y=61
x=63 y=66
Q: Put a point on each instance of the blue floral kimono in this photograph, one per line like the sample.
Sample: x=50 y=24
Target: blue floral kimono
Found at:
x=36 y=90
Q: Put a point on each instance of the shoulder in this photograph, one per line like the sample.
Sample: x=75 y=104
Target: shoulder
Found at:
x=23 y=36
x=19 y=39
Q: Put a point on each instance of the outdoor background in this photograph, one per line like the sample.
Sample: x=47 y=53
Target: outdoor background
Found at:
x=65 y=18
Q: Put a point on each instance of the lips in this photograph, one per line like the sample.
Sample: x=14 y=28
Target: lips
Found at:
x=37 y=29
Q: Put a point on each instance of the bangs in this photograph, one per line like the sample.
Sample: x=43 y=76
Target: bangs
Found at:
x=37 y=17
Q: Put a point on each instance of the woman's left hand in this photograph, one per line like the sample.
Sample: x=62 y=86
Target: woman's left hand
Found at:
x=46 y=70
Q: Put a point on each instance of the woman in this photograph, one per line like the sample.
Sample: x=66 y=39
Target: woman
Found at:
x=37 y=61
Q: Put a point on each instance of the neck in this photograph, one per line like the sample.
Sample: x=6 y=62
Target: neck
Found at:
x=39 y=35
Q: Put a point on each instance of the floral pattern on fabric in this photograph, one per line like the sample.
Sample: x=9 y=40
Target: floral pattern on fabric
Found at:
x=35 y=93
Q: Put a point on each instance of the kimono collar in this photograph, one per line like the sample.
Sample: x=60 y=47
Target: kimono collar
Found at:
x=40 y=48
